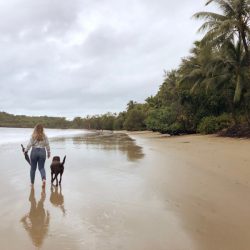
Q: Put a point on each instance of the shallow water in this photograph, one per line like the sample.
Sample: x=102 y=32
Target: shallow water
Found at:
x=12 y=135
x=104 y=201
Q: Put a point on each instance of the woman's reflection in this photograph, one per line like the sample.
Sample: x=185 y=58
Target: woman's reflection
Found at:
x=57 y=199
x=36 y=222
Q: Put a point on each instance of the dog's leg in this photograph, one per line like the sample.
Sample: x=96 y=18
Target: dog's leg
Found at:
x=60 y=179
x=56 y=180
x=51 y=177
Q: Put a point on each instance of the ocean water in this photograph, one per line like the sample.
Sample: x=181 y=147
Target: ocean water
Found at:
x=22 y=135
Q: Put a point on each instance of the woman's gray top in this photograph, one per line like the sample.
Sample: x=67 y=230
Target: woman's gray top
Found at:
x=38 y=144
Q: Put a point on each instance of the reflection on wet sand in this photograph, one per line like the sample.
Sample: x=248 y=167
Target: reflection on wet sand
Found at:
x=36 y=222
x=112 y=141
x=57 y=198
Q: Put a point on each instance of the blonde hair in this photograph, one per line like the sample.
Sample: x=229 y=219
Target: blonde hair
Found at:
x=38 y=133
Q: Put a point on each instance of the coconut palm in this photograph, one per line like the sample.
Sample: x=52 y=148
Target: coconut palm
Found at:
x=232 y=24
x=223 y=68
x=195 y=70
x=231 y=63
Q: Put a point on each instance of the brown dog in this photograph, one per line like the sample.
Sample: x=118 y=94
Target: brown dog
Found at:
x=57 y=168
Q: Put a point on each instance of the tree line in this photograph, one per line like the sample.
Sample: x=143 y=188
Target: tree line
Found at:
x=208 y=92
x=23 y=121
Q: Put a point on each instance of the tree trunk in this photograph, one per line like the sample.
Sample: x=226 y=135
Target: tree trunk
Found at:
x=232 y=108
x=247 y=113
x=243 y=36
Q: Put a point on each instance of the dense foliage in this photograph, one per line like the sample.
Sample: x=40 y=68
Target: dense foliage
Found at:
x=22 y=121
x=210 y=91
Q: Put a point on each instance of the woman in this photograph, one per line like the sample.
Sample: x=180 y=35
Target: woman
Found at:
x=39 y=142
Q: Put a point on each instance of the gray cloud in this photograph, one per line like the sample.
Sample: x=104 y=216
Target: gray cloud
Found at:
x=72 y=58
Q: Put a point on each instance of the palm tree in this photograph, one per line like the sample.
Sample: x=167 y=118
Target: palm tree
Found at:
x=224 y=69
x=232 y=24
x=130 y=105
x=232 y=75
x=195 y=70
x=232 y=63
x=168 y=90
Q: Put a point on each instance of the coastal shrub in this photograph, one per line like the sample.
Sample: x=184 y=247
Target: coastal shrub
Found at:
x=165 y=120
x=118 y=124
x=225 y=121
x=135 y=120
x=107 y=121
x=213 y=124
x=160 y=120
x=176 y=128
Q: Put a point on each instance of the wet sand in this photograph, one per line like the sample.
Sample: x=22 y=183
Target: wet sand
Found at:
x=152 y=192
x=205 y=181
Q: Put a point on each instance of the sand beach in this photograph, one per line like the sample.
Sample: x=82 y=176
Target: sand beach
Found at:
x=136 y=191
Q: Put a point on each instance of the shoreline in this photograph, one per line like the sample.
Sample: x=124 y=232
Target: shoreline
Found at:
x=232 y=132
x=160 y=135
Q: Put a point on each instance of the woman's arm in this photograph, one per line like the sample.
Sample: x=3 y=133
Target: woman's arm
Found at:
x=46 y=140
x=30 y=144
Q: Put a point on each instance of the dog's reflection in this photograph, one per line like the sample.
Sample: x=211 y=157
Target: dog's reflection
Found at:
x=36 y=222
x=56 y=198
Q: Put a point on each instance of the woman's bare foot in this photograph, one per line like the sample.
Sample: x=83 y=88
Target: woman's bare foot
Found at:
x=44 y=183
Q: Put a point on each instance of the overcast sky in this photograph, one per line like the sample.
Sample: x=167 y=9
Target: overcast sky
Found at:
x=77 y=57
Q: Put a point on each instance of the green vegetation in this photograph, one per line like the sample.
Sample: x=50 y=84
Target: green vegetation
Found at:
x=22 y=121
x=208 y=92
x=212 y=124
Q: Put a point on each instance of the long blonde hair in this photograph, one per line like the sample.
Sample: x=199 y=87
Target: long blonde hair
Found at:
x=38 y=133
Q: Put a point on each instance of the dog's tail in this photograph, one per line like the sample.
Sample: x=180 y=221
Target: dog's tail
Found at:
x=64 y=160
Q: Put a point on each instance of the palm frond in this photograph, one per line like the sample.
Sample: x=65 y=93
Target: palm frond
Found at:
x=195 y=73
x=224 y=5
x=209 y=16
x=207 y=25
x=196 y=84
x=207 y=82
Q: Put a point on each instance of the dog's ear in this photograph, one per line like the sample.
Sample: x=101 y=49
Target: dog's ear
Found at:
x=64 y=160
